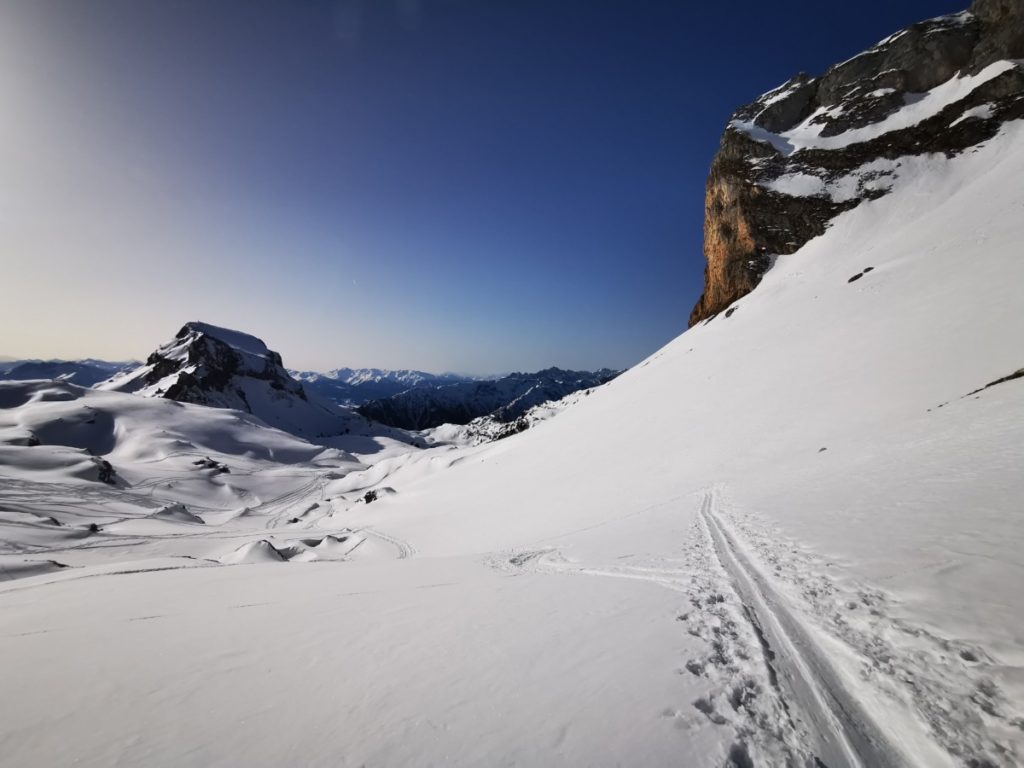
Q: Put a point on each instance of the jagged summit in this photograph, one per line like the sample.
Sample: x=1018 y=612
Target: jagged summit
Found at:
x=804 y=152
x=242 y=342
x=209 y=365
x=200 y=360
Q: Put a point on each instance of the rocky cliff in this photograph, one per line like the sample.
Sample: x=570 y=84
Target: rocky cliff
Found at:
x=218 y=367
x=814 y=147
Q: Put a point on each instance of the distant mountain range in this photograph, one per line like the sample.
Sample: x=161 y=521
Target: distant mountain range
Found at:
x=222 y=368
x=84 y=373
x=355 y=386
x=504 y=399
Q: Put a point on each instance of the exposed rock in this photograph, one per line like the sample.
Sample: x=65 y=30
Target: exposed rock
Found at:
x=810 y=149
x=218 y=367
x=105 y=471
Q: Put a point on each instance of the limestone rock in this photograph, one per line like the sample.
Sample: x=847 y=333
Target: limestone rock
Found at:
x=801 y=154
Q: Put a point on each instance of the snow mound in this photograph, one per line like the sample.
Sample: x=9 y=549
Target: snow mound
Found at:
x=177 y=513
x=261 y=551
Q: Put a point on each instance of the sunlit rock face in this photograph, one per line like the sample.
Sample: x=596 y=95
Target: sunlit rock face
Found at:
x=812 y=148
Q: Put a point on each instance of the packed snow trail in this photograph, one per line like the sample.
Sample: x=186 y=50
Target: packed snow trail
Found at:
x=843 y=734
x=920 y=682
x=803 y=665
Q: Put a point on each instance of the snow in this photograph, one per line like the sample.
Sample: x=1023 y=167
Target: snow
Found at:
x=981 y=112
x=233 y=370
x=876 y=175
x=355 y=386
x=241 y=342
x=788 y=535
x=918 y=107
x=797 y=184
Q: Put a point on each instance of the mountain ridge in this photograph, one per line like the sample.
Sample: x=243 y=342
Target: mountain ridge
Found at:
x=354 y=386
x=505 y=399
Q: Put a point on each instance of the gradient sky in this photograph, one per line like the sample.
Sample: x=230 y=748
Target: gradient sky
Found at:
x=470 y=185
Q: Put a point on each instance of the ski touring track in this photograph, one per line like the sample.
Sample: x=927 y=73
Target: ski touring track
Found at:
x=404 y=548
x=835 y=729
x=803 y=670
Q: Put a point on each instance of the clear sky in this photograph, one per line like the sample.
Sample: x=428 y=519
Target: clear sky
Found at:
x=470 y=185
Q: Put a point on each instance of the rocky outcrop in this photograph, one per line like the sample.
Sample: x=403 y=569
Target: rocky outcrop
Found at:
x=207 y=365
x=812 y=148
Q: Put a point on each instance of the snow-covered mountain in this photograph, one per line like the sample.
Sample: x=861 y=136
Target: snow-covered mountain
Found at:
x=505 y=399
x=222 y=368
x=791 y=537
x=814 y=147
x=487 y=429
x=355 y=386
x=84 y=373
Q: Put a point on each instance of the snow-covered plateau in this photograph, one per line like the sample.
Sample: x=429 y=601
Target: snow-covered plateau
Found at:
x=794 y=536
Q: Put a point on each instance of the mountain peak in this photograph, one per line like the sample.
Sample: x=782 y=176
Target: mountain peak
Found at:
x=209 y=365
x=242 y=342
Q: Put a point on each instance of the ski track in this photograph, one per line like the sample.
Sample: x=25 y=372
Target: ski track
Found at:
x=769 y=617
x=943 y=681
x=829 y=719
x=405 y=549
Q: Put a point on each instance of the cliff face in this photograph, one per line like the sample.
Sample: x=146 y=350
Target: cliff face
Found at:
x=221 y=368
x=204 y=364
x=814 y=147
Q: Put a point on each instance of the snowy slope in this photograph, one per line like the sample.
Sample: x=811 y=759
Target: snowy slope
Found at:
x=847 y=467
x=813 y=554
x=486 y=429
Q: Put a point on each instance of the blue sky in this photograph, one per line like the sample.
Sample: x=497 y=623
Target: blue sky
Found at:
x=471 y=185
